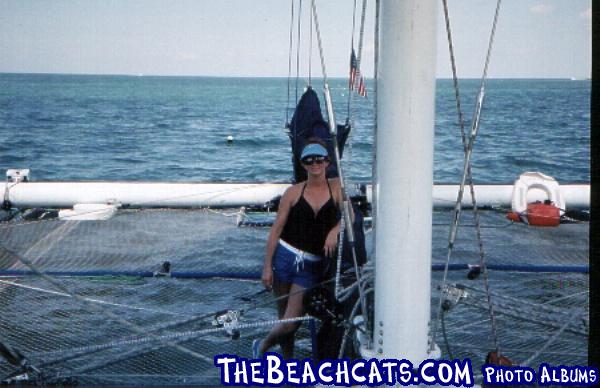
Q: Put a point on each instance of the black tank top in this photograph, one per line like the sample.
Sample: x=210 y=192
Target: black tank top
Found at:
x=306 y=230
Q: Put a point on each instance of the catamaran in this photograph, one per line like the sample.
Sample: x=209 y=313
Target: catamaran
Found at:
x=109 y=283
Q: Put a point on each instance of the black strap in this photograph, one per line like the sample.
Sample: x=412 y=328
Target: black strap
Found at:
x=303 y=188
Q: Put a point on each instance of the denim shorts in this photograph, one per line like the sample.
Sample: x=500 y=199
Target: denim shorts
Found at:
x=290 y=267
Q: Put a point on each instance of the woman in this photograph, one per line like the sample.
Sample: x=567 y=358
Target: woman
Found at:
x=303 y=235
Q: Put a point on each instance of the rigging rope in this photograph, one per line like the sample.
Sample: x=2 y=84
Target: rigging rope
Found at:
x=525 y=305
x=298 y=47
x=332 y=125
x=468 y=149
x=361 y=32
x=310 y=42
x=375 y=118
x=91 y=300
x=181 y=337
x=320 y=43
x=350 y=324
x=550 y=340
x=195 y=333
x=543 y=318
x=163 y=339
x=287 y=108
x=358 y=57
x=333 y=131
x=351 y=48
x=338 y=269
x=358 y=75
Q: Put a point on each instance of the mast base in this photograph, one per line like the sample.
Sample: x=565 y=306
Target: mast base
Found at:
x=365 y=349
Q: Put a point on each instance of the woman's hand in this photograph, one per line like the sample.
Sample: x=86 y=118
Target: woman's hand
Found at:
x=331 y=243
x=267 y=277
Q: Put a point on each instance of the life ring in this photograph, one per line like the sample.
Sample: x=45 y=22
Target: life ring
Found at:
x=542 y=188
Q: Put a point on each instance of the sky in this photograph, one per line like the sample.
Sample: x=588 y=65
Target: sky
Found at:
x=534 y=38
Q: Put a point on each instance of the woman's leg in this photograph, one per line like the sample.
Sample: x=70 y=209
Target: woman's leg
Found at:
x=295 y=308
x=283 y=333
x=280 y=289
x=286 y=341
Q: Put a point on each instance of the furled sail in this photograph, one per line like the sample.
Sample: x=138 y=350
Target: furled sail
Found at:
x=308 y=122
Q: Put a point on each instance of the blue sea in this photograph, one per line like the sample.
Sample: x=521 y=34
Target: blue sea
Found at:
x=88 y=127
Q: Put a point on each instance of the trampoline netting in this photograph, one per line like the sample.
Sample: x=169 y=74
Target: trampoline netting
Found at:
x=85 y=301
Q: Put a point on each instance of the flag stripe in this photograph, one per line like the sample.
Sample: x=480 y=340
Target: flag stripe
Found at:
x=362 y=90
x=356 y=81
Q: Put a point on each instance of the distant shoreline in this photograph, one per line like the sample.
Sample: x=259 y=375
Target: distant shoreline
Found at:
x=271 y=77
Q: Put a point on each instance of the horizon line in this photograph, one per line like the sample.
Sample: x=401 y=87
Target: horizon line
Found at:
x=267 y=76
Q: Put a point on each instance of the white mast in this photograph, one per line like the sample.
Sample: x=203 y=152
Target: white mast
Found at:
x=405 y=127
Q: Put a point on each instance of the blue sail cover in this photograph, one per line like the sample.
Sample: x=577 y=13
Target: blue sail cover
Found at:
x=308 y=122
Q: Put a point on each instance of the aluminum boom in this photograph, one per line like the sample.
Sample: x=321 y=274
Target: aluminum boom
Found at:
x=184 y=195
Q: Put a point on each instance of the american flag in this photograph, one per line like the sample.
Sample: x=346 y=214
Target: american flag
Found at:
x=356 y=79
x=353 y=70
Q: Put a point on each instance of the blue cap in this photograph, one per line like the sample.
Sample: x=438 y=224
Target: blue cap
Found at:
x=314 y=149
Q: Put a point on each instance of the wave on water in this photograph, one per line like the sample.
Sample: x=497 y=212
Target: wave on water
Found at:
x=168 y=119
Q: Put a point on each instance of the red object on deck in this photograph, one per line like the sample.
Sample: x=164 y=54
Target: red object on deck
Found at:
x=543 y=214
x=495 y=358
x=514 y=216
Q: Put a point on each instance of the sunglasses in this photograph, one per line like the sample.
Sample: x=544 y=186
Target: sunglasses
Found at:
x=314 y=160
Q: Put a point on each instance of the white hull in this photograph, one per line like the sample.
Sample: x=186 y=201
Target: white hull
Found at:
x=575 y=196
x=187 y=195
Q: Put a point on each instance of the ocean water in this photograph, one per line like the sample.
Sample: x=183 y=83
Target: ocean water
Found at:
x=85 y=127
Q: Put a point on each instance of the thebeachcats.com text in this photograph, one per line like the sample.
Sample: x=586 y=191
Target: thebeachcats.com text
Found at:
x=273 y=370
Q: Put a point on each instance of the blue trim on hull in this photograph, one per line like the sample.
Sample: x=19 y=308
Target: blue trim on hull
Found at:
x=143 y=274
x=257 y=275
